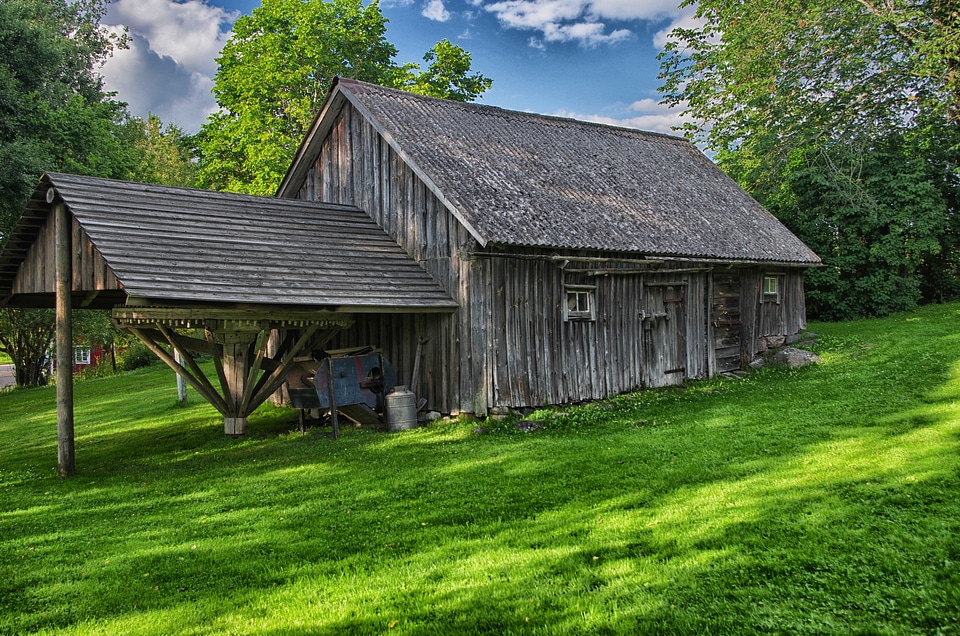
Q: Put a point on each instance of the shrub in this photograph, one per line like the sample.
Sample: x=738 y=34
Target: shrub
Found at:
x=135 y=356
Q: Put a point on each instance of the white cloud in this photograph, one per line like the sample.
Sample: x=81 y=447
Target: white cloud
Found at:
x=583 y=21
x=644 y=114
x=169 y=66
x=151 y=83
x=191 y=32
x=536 y=14
x=633 y=9
x=685 y=20
x=587 y=33
x=434 y=10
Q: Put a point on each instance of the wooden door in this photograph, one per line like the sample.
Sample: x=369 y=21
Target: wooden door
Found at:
x=664 y=335
x=727 y=325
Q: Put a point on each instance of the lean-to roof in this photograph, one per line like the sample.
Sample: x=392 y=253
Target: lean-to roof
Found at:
x=516 y=178
x=180 y=245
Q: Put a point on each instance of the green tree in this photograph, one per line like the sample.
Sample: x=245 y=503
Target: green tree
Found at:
x=447 y=75
x=770 y=77
x=25 y=335
x=274 y=73
x=875 y=215
x=841 y=116
x=165 y=153
x=54 y=115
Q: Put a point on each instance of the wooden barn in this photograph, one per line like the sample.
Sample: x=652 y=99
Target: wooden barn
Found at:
x=528 y=260
x=585 y=260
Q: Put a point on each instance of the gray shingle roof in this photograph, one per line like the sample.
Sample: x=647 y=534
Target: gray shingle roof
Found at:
x=533 y=180
x=181 y=244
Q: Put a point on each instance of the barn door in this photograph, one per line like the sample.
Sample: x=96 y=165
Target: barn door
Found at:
x=664 y=335
x=727 y=325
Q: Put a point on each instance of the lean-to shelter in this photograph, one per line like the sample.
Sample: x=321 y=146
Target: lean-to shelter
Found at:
x=210 y=273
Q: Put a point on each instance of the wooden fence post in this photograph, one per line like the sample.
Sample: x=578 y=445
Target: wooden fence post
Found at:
x=181 y=383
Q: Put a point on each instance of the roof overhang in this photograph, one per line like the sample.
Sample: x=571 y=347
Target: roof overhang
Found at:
x=179 y=247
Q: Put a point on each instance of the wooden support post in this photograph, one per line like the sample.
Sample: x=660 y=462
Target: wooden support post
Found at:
x=236 y=365
x=239 y=347
x=66 y=466
x=200 y=383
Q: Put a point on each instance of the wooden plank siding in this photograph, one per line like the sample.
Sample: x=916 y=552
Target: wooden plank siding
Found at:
x=509 y=344
x=764 y=318
x=356 y=166
x=90 y=270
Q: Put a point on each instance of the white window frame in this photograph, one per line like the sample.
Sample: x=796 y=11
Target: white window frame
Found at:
x=81 y=355
x=583 y=295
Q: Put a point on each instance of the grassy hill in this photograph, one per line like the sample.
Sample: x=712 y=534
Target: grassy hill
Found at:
x=818 y=500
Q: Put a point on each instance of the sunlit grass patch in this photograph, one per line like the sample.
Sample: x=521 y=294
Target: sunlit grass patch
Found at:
x=818 y=500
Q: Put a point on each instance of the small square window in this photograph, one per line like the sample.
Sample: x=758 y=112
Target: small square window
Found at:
x=580 y=304
x=81 y=355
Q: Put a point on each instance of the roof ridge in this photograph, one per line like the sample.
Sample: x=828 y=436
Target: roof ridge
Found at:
x=349 y=84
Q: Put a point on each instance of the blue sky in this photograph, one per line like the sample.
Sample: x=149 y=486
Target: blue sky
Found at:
x=587 y=59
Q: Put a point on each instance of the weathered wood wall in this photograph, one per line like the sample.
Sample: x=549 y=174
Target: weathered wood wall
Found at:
x=765 y=317
x=357 y=166
x=509 y=344
x=37 y=272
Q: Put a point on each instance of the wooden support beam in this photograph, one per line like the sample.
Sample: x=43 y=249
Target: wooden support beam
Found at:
x=236 y=361
x=185 y=343
x=213 y=398
x=173 y=340
x=66 y=466
x=261 y=347
x=217 y=359
x=247 y=376
x=279 y=376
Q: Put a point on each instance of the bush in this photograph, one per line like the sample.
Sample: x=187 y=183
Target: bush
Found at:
x=135 y=356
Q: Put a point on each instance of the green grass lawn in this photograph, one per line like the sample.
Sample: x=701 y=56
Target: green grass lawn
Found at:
x=824 y=500
x=4 y=359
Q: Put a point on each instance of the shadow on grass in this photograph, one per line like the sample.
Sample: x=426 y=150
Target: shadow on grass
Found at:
x=820 y=500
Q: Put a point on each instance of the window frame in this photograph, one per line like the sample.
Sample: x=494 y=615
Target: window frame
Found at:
x=580 y=291
x=82 y=355
x=767 y=295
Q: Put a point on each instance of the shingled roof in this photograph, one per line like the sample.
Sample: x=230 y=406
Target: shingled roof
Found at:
x=516 y=178
x=175 y=245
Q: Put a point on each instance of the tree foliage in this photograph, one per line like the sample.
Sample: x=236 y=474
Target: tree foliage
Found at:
x=25 y=336
x=842 y=117
x=164 y=153
x=876 y=217
x=276 y=69
x=447 y=75
x=54 y=114
x=774 y=76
